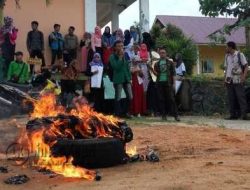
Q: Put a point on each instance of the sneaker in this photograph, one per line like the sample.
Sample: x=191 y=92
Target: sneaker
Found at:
x=177 y=118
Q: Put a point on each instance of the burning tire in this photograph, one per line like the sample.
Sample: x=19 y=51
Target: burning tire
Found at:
x=92 y=153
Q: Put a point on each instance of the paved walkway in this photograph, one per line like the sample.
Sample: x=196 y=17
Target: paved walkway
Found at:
x=194 y=120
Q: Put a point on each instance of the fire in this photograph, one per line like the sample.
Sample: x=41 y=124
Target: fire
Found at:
x=42 y=139
x=58 y=165
x=131 y=151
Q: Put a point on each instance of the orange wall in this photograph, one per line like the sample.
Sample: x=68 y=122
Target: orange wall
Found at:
x=64 y=12
x=214 y=53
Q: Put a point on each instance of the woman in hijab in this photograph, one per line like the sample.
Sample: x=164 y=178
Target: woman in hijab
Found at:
x=119 y=35
x=180 y=66
x=147 y=39
x=8 y=36
x=144 y=55
x=107 y=43
x=138 y=106
x=96 y=68
x=128 y=40
x=96 y=41
x=134 y=34
x=87 y=55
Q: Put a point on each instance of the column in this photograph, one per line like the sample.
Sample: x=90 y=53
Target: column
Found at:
x=90 y=15
x=115 y=17
x=144 y=15
x=198 y=61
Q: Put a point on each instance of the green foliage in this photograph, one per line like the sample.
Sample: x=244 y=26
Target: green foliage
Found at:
x=174 y=41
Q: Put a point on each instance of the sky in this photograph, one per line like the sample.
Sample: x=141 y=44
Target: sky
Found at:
x=160 y=7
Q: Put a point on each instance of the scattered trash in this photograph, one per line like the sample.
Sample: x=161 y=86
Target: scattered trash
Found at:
x=45 y=171
x=152 y=156
x=98 y=176
x=17 y=180
x=3 y=170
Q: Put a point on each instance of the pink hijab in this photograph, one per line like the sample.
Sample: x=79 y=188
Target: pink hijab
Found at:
x=143 y=51
x=97 y=38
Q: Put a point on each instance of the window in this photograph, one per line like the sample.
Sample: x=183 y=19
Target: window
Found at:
x=207 y=66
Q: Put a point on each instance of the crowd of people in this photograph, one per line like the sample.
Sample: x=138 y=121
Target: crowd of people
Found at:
x=120 y=67
x=127 y=75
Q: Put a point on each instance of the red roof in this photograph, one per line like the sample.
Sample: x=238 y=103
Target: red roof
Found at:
x=198 y=28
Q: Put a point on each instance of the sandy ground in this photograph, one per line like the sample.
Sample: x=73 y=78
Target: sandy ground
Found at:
x=192 y=157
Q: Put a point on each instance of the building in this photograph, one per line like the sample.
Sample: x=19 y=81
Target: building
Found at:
x=198 y=28
x=83 y=14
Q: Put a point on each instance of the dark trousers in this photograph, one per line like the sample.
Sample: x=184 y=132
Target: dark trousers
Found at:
x=70 y=55
x=237 y=99
x=97 y=95
x=38 y=54
x=166 y=98
x=56 y=54
x=152 y=98
x=129 y=96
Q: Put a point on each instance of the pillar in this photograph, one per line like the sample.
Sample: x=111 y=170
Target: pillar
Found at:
x=115 y=17
x=198 y=61
x=144 y=15
x=90 y=15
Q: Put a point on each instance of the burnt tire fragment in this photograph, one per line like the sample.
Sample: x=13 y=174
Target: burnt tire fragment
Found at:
x=91 y=153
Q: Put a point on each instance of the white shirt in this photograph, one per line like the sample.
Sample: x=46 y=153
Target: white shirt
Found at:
x=232 y=62
x=179 y=70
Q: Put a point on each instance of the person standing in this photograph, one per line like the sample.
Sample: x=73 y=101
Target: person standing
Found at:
x=165 y=72
x=8 y=36
x=138 y=106
x=95 y=71
x=2 y=66
x=87 y=52
x=35 y=43
x=70 y=45
x=107 y=43
x=121 y=79
x=96 y=41
x=134 y=34
x=56 y=44
x=236 y=68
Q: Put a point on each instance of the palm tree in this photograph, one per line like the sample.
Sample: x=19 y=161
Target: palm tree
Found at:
x=2 y=4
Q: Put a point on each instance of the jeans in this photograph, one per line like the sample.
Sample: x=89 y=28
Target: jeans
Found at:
x=129 y=96
x=56 y=54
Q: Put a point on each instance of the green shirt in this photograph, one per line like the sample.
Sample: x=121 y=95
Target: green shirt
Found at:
x=15 y=69
x=121 y=70
x=163 y=71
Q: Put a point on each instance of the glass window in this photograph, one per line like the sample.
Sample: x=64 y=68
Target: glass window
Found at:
x=207 y=66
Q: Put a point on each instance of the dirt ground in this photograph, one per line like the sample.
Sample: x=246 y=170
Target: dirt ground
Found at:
x=191 y=157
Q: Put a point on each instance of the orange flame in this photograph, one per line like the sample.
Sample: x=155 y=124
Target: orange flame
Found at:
x=131 y=151
x=47 y=107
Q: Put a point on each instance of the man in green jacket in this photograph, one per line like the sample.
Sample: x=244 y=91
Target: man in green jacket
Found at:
x=18 y=70
x=121 y=79
x=165 y=72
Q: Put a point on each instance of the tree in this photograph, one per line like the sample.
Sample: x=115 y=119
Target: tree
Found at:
x=236 y=8
x=174 y=40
